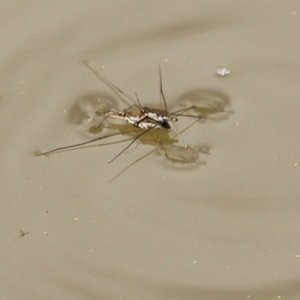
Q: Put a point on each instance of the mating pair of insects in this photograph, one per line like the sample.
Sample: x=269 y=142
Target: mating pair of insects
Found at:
x=145 y=119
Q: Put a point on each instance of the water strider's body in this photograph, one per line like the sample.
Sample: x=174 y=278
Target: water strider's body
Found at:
x=145 y=118
x=142 y=117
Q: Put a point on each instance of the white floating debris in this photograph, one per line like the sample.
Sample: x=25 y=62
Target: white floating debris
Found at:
x=222 y=72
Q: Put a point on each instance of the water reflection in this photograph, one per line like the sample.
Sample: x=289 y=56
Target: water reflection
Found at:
x=207 y=104
x=180 y=155
x=84 y=111
x=198 y=105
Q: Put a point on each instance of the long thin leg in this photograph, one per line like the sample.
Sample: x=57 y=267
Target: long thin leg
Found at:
x=113 y=87
x=114 y=115
x=105 y=117
x=150 y=152
x=133 y=163
x=178 y=112
x=161 y=146
x=129 y=144
x=161 y=90
x=184 y=109
x=138 y=101
x=84 y=143
x=131 y=106
x=178 y=135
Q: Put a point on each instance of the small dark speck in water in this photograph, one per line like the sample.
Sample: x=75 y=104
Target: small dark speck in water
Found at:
x=22 y=233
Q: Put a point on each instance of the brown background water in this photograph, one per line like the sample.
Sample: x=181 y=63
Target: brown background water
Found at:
x=228 y=229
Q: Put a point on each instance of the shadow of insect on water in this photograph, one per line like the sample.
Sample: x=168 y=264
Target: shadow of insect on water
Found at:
x=148 y=125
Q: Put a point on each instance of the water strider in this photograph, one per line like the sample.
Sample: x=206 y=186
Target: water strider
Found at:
x=143 y=118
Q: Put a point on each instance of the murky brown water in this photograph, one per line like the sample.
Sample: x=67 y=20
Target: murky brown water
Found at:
x=226 y=227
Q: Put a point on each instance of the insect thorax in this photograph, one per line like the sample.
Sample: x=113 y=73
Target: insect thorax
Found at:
x=147 y=118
